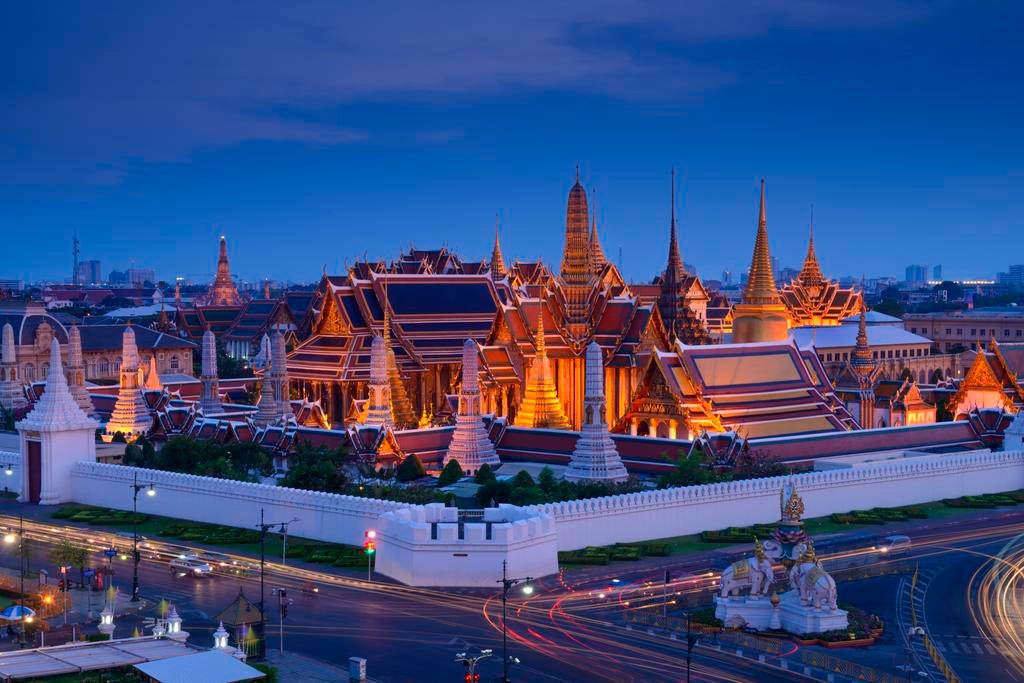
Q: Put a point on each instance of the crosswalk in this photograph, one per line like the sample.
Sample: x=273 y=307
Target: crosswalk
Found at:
x=966 y=646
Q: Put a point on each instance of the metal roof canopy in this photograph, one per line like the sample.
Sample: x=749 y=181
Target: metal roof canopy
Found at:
x=212 y=666
x=80 y=657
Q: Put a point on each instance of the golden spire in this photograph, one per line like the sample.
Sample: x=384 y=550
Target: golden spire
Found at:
x=498 y=270
x=541 y=407
x=675 y=270
x=761 y=287
x=861 y=351
x=810 y=274
x=597 y=257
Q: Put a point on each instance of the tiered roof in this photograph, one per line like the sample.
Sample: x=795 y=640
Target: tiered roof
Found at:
x=812 y=299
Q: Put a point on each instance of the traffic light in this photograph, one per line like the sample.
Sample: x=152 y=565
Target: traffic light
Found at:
x=283 y=598
x=370 y=544
x=468 y=678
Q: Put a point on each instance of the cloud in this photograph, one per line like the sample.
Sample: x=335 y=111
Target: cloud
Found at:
x=97 y=86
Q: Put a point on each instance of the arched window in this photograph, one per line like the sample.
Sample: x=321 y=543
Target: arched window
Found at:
x=174 y=362
x=30 y=372
x=44 y=370
x=104 y=368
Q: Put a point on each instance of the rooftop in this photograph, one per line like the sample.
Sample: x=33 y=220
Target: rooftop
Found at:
x=845 y=336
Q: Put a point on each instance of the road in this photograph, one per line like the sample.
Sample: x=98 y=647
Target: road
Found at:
x=565 y=631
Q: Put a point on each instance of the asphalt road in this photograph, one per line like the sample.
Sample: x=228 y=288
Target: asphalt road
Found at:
x=560 y=633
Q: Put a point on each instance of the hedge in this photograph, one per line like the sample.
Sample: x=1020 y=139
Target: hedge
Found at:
x=735 y=534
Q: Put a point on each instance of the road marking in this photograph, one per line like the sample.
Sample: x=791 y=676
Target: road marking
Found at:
x=977 y=648
x=941 y=647
x=991 y=650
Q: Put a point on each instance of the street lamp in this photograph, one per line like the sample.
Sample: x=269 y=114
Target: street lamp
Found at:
x=265 y=527
x=150 y=491
x=911 y=633
x=9 y=539
x=470 y=663
x=506 y=586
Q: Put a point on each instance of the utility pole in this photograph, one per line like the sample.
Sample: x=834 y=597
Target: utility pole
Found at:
x=283 y=601
x=506 y=586
x=150 y=491
x=265 y=527
x=691 y=640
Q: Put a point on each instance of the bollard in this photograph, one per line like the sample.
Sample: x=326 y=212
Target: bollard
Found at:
x=356 y=669
x=807 y=671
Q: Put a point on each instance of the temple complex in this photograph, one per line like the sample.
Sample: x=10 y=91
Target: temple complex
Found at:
x=541 y=407
x=761 y=316
x=812 y=299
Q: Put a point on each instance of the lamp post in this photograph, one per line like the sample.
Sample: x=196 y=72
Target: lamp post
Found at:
x=911 y=632
x=22 y=550
x=470 y=663
x=506 y=586
x=265 y=527
x=150 y=491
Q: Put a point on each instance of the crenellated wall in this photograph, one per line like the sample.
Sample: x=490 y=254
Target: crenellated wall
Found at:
x=692 y=509
x=323 y=516
x=428 y=546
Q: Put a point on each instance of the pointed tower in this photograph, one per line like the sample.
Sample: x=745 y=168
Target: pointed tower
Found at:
x=262 y=359
x=279 y=373
x=680 y=320
x=864 y=367
x=761 y=316
x=268 y=409
x=575 y=274
x=597 y=257
x=595 y=457
x=209 y=398
x=378 y=410
x=76 y=372
x=54 y=436
x=223 y=291
x=131 y=413
x=811 y=276
x=470 y=445
x=12 y=394
x=498 y=270
x=177 y=294
x=541 y=407
x=153 y=381
x=401 y=406
x=266 y=289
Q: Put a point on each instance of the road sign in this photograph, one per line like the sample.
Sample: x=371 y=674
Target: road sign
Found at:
x=110 y=552
x=89 y=573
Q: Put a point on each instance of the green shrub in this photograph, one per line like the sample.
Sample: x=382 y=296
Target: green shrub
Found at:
x=915 y=513
x=705 y=617
x=655 y=549
x=269 y=671
x=410 y=469
x=298 y=550
x=625 y=552
x=485 y=475
x=65 y=513
x=451 y=473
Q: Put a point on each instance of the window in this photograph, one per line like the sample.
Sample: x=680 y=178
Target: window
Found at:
x=974 y=332
x=30 y=373
x=1006 y=333
x=913 y=330
x=105 y=370
x=174 y=364
x=1018 y=334
x=960 y=331
x=948 y=331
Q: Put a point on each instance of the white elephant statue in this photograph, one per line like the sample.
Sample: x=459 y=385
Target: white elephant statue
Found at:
x=814 y=585
x=755 y=573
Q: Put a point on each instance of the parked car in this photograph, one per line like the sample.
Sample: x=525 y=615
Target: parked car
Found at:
x=191 y=565
x=894 y=544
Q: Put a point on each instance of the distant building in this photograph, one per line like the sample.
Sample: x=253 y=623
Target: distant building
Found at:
x=1012 y=278
x=954 y=331
x=11 y=284
x=916 y=274
x=89 y=272
x=937 y=272
x=137 y=277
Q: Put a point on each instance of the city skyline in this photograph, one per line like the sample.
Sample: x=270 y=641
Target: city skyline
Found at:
x=898 y=130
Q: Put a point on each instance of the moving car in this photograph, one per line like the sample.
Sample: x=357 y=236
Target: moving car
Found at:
x=191 y=564
x=228 y=564
x=894 y=544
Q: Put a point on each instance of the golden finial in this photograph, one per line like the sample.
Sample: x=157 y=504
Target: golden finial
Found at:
x=761 y=287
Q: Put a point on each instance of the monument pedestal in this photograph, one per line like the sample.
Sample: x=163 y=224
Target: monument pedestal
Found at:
x=799 y=619
x=790 y=615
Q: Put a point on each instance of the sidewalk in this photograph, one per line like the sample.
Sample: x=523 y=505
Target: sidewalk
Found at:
x=295 y=667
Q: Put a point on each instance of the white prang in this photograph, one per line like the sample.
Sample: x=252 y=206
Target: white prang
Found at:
x=470 y=445
x=279 y=373
x=12 y=394
x=209 y=399
x=131 y=413
x=378 y=412
x=54 y=436
x=76 y=372
x=595 y=457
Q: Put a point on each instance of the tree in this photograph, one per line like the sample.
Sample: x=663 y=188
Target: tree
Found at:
x=485 y=475
x=547 y=480
x=411 y=469
x=316 y=469
x=689 y=471
x=952 y=289
x=451 y=473
x=523 y=478
x=756 y=463
x=67 y=554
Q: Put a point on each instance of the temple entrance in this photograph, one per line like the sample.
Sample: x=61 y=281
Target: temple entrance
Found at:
x=35 y=470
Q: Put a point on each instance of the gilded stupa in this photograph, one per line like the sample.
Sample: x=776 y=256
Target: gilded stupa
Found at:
x=541 y=406
x=761 y=317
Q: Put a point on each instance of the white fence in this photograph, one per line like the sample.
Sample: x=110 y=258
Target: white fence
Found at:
x=692 y=509
x=322 y=516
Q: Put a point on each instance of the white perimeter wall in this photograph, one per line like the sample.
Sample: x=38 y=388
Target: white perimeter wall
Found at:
x=692 y=509
x=322 y=516
x=10 y=459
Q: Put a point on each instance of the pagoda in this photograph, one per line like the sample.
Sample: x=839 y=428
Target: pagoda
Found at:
x=857 y=378
x=677 y=288
x=76 y=371
x=401 y=407
x=576 y=273
x=595 y=457
x=12 y=395
x=223 y=291
x=541 y=407
x=378 y=410
x=498 y=270
x=209 y=398
x=131 y=413
x=761 y=317
x=812 y=299
x=470 y=445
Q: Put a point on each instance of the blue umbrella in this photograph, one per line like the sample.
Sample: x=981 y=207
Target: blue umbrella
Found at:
x=17 y=613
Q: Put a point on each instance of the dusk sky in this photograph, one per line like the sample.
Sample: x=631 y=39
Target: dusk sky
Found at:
x=312 y=134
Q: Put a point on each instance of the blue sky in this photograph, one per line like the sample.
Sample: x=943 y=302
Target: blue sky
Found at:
x=313 y=135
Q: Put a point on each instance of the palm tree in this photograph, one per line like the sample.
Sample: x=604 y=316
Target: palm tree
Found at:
x=67 y=554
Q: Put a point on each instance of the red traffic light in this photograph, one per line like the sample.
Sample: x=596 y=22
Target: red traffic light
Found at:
x=370 y=547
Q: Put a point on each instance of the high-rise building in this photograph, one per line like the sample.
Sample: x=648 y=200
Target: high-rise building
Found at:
x=916 y=273
x=137 y=277
x=89 y=272
x=937 y=272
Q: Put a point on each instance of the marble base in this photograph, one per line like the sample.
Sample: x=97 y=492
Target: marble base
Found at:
x=790 y=615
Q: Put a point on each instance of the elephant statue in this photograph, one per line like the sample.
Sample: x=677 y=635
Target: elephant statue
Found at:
x=755 y=573
x=814 y=585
